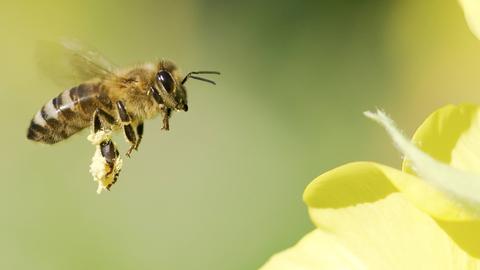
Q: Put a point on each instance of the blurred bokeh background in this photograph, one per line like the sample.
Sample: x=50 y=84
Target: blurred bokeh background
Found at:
x=222 y=189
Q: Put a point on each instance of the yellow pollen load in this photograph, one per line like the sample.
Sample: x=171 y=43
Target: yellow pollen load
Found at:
x=102 y=172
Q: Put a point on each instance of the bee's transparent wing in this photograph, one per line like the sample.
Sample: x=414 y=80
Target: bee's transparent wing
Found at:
x=68 y=62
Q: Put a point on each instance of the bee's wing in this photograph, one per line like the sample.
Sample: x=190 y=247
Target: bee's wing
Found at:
x=68 y=62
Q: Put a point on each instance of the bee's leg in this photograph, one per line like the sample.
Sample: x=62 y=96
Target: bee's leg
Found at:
x=110 y=153
x=106 y=162
x=108 y=149
x=167 y=112
x=127 y=127
x=97 y=122
x=139 y=134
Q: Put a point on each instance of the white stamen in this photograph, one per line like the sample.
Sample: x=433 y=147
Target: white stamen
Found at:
x=461 y=186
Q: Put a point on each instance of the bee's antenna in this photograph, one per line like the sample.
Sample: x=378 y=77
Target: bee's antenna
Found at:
x=190 y=75
x=200 y=79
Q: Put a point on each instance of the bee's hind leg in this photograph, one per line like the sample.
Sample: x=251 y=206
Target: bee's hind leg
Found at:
x=127 y=127
x=111 y=154
x=107 y=148
x=106 y=162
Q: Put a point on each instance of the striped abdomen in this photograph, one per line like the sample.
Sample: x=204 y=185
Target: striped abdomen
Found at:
x=68 y=113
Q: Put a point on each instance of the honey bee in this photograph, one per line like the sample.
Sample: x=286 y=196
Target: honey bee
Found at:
x=111 y=99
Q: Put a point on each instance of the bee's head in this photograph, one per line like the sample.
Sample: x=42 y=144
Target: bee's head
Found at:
x=170 y=84
x=168 y=81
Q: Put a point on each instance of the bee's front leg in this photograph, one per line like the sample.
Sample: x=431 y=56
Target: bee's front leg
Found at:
x=167 y=113
x=127 y=127
x=140 y=134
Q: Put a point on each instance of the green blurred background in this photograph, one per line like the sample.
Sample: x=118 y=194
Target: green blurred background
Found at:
x=222 y=189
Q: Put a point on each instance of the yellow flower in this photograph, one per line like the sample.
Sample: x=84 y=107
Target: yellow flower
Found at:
x=425 y=216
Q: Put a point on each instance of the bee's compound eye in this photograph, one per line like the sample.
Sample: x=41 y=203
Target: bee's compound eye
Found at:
x=166 y=80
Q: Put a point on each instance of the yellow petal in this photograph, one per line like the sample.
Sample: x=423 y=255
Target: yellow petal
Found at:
x=388 y=234
x=362 y=182
x=317 y=250
x=471 y=9
x=441 y=133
